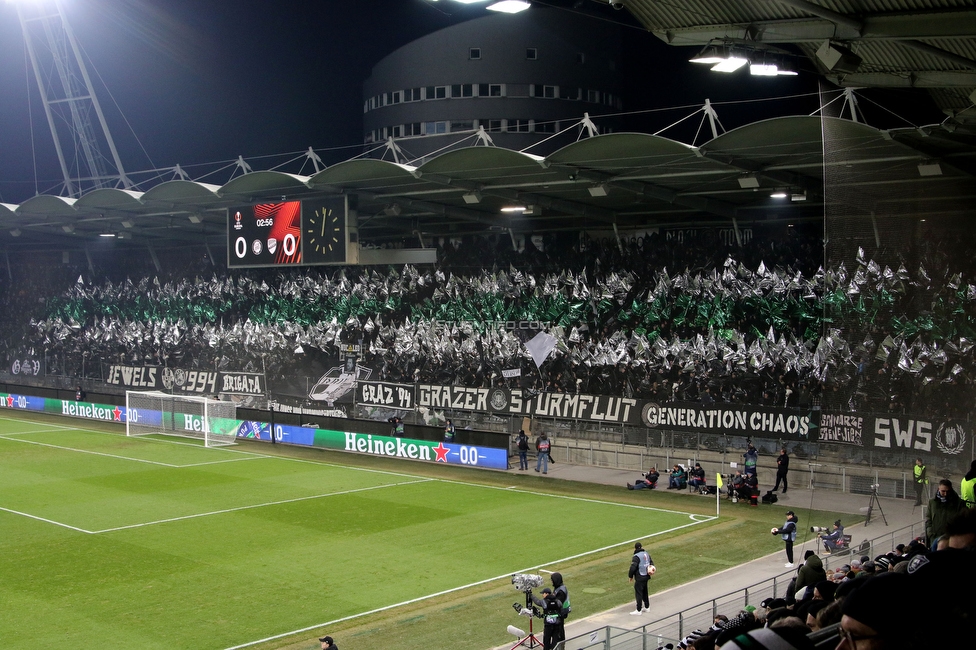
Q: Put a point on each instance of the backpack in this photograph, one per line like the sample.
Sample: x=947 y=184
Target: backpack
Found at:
x=562 y=590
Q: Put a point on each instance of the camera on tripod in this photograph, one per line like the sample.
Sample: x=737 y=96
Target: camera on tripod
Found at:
x=819 y=529
x=526 y=582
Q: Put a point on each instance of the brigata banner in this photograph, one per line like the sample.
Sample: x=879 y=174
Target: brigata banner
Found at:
x=374 y=445
x=178 y=380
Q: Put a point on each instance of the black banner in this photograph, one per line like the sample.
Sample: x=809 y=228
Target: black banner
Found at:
x=242 y=383
x=394 y=396
x=141 y=377
x=732 y=419
x=27 y=366
x=190 y=382
x=917 y=434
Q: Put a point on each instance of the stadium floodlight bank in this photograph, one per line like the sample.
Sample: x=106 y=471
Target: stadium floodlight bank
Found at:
x=210 y=420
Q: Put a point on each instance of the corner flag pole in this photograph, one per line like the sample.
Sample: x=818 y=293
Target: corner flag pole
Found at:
x=718 y=491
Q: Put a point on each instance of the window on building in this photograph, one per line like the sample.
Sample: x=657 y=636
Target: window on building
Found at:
x=384 y=99
x=366 y=106
x=436 y=92
x=518 y=125
x=548 y=92
x=492 y=125
x=570 y=93
x=462 y=125
x=414 y=129
x=462 y=90
x=545 y=127
x=531 y=53
x=396 y=97
x=396 y=131
x=495 y=90
x=474 y=53
x=431 y=128
x=593 y=96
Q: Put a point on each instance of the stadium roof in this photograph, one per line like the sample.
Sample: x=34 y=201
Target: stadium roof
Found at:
x=928 y=44
x=629 y=181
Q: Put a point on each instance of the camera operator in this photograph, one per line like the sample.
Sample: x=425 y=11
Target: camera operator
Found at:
x=834 y=539
x=555 y=606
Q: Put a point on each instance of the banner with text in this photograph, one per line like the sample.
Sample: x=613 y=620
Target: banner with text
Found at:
x=897 y=432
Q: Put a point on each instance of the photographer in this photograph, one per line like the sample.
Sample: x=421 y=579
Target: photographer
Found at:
x=834 y=539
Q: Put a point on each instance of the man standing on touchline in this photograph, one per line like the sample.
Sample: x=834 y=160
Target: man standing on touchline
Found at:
x=641 y=570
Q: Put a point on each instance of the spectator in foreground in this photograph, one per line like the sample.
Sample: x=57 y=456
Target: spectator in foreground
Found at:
x=945 y=505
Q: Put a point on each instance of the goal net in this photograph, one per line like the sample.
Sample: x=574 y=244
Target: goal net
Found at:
x=210 y=420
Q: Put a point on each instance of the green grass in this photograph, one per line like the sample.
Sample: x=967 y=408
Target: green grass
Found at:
x=116 y=542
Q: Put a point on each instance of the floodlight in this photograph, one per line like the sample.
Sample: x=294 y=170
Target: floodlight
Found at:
x=930 y=168
x=514 y=208
x=107 y=234
x=779 y=194
x=710 y=54
x=15 y=232
x=763 y=69
x=195 y=218
x=472 y=197
x=68 y=228
x=838 y=58
x=393 y=210
x=127 y=223
x=730 y=64
x=799 y=196
x=509 y=6
x=598 y=190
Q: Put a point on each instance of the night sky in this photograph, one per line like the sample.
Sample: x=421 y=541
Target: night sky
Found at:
x=201 y=82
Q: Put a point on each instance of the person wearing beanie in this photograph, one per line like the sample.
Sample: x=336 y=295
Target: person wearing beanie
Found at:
x=641 y=570
x=811 y=573
x=833 y=540
x=967 y=487
x=870 y=614
x=788 y=532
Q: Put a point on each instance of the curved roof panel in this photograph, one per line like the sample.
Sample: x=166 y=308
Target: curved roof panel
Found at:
x=45 y=205
x=258 y=183
x=109 y=198
x=180 y=191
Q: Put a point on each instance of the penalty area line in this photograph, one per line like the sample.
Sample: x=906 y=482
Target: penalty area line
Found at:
x=47 y=521
x=253 y=506
x=87 y=451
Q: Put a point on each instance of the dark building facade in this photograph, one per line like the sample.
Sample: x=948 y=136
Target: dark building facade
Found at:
x=521 y=78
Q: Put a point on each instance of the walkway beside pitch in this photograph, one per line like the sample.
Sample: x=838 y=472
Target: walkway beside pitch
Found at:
x=898 y=512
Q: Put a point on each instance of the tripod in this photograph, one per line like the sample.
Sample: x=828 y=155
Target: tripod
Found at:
x=532 y=640
x=875 y=501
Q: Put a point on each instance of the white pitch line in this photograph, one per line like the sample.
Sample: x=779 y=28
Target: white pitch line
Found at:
x=94 y=453
x=218 y=462
x=452 y=590
x=47 y=521
x=253 y=506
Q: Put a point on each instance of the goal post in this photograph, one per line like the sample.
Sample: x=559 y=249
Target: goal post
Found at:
x=154 y=412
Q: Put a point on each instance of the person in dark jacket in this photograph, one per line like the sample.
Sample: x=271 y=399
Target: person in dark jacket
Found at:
x=641 y=570
x=835 y=538
x=782 y=467
x=945 y=505
x=788 y=532
x=522 y=442
x=555 y=608
x=810 y=573
x=646 y=482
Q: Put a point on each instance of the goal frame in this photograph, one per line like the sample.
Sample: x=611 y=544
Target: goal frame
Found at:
x=198 y=417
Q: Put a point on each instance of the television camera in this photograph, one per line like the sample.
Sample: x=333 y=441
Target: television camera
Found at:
x=526 y=582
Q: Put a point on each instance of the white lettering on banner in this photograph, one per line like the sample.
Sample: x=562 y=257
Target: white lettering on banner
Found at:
x=133 y=377
x=241 y=383
x=399 y=448
x=89 y=411
x=681 y=416
x=888 y=431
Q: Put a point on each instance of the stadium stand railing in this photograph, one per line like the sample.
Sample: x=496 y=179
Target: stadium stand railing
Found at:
x=673 y=628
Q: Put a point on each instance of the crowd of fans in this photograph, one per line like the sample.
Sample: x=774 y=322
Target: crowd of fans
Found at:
x=909 y=598
x=700 y=321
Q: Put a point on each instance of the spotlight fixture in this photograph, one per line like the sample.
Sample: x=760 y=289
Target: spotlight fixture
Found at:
x=514 y=208
x=729 y=57
x=107 y=234
x=598 y=190
x=195 y=218
x=748 y=182
x=509 y=6
x=392 y=210
x=15 y=232
x=778 y=194
x=472 y=197
x=128 y=223
x=68 y=228
x=929 y=168
x=798 y=196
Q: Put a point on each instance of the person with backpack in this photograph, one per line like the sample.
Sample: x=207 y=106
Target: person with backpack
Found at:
x=641 y=570
x=555 y=610
x=542 y=446
x=522 y=443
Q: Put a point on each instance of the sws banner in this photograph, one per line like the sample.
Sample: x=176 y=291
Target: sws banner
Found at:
x=894 y=432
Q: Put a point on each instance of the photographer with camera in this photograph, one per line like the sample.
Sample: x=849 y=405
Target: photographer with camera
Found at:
x=788 y=532
x=832 y=540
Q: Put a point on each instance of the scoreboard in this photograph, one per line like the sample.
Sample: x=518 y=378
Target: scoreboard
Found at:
x=289 y=233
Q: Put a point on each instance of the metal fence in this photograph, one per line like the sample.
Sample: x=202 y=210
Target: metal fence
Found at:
x=673 y=628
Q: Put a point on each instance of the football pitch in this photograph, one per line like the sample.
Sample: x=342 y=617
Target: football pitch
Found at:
x=115 y=542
